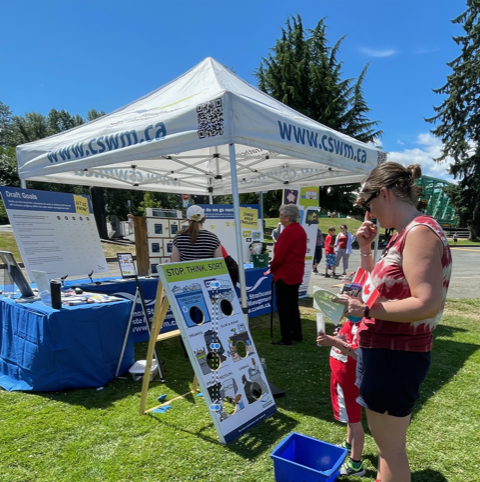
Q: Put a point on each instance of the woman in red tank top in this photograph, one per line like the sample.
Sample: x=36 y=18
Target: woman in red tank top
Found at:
x=395 y=335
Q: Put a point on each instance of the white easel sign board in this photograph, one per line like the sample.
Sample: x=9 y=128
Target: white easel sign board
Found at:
x=219 y=345
x=55 y=232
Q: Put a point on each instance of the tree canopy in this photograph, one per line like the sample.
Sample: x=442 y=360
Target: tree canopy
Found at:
x=304 y=72
x=458 y=119
x=15 y=130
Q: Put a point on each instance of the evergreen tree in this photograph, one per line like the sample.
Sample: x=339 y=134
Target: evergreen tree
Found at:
x=458 y=118
x=6 y=127
x=340 y=199
x=304 y=73
x=62 y=121
x=94 y=114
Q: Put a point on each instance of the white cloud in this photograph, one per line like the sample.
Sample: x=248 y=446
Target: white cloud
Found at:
x=400 y=142
x=430 y=147
x=427 y=51
x=378 y=53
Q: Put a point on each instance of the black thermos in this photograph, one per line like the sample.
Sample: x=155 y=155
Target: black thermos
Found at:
x=56 y=294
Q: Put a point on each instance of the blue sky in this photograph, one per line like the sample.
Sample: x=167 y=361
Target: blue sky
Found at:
x=103 y=54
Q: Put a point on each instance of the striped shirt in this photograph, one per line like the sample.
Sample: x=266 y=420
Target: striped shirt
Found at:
x=205 y=246
x=389 y=279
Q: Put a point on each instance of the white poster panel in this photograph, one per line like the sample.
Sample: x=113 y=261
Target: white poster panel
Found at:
x=307 y=200
x=220 y=220
x=55 y=232
x=219 y=345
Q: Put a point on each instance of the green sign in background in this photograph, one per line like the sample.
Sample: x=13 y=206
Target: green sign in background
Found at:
x=193 y=269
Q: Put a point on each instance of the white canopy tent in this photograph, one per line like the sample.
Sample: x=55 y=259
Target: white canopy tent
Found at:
x=207 y=132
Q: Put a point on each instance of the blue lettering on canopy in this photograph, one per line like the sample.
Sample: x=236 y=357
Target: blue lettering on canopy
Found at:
x=64 y=153
x=112 y=141
x=107 y=143
x=77 y=149
x=93 y=151
x=324 y=138
x=285 y=130
x=100 y=144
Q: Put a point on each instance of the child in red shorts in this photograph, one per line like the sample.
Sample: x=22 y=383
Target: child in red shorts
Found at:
x=344 y=392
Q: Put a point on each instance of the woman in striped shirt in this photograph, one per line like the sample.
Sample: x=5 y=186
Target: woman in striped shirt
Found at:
x=195 y=242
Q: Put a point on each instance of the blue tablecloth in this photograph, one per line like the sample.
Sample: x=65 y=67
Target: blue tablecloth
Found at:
x=258 y=297
x=125 y=288
x=42 y=349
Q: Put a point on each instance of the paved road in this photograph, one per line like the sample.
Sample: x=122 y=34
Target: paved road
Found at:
x=465 y=281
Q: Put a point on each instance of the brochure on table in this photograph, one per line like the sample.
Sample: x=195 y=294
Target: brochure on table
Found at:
x=219 y=345
x=55 y=232
x=307 y=200
x=220 y=220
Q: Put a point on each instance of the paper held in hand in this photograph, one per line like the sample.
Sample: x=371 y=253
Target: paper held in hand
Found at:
x=323 y=300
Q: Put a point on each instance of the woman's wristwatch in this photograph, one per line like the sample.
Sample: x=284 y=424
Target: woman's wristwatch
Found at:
x=366 y=313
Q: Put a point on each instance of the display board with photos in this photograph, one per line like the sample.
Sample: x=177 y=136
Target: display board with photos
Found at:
x=219 y=344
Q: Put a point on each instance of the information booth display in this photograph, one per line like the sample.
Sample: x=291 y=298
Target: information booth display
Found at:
x=219 y=345
x=161 y=226
x=160 y=234
x=55 y=232
x=43 y=349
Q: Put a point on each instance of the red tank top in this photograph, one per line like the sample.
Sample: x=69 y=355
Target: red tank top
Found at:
x=342 y=241
x=389 y=279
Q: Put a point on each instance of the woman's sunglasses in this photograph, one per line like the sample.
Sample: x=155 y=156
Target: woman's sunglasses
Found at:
x=364 y=204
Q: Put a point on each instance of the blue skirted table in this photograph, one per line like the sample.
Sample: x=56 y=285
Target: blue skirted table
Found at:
x=42 y=349
x=259 y=295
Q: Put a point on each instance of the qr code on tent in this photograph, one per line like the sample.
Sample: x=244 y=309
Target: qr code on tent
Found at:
x=381 y=157
x=210 y=118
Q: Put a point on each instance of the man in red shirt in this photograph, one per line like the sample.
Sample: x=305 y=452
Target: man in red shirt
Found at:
x=288 y=267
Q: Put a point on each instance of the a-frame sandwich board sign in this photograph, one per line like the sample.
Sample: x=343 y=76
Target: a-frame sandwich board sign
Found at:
x=219 y=344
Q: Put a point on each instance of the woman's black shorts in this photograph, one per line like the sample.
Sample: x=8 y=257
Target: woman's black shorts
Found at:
x=318 y=255
x=390 y=380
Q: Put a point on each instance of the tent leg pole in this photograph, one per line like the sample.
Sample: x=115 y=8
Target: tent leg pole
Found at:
x=238 y=230
x=23 y=184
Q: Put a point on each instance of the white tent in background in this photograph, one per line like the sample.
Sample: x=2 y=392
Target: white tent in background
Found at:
x=207 y=132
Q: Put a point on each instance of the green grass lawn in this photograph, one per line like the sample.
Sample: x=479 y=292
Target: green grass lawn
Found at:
x=88 y=435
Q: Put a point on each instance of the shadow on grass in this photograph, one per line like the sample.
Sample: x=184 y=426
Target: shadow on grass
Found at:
x=257 y=440
x=252 y=444
x=177 y=370
x=303 y=370
x=428 y=475
x=448 y=357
